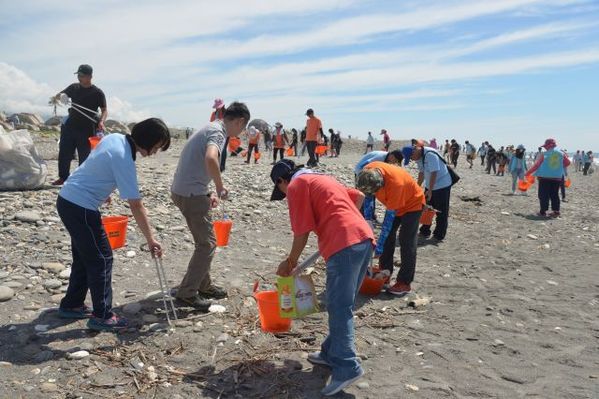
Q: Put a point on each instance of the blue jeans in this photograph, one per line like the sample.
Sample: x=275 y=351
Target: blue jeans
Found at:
x=345 y=272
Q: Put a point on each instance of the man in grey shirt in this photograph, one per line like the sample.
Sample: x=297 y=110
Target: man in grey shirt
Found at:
x=199 y=164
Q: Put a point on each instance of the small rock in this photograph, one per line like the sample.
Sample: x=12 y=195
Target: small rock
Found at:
x=498 y=342
x=505 y=213
x=413 y=388
x=13 y=284
x=551 y=282
x=532 y=236
x=65 y=274
x=132 y=308
x=6 y=293
x=52 y=283
x=56 y=298
x=41 y=327
x=149 y=318
x=5 y=364
x=217 y=309
x=130 y=254
x=546 y=246
x=223 y=337
x=363 y=385
x=28 y=216
x=183 y=323
x=48 y=387
x=77 y=355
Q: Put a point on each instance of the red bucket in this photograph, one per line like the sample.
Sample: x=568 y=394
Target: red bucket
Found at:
x=523 y=185
x=371 y=286
x=222 y=230
x=567 y=182
x=116 y=230
x=268 y=310
x=93 y=141
x=530 y=179
x=427 y=217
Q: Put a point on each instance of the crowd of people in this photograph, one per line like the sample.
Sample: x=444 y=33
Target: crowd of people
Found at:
x=345 y=241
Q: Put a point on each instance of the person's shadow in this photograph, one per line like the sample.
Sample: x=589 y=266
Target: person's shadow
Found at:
x=33 y=342
x=263 y=379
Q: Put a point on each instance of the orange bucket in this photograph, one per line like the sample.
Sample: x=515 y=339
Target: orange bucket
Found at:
x=320 y=149
x=116 y=230
x=290 y=152
x=567 y=182
x=427 y=217
x=93 y=141
x=257 y=155
x=222 y=230
x=530 y=179
x=523 y=185
x=371 y=286
x=268 y=309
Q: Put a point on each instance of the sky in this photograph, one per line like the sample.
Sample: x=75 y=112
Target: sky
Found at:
x=507 y=71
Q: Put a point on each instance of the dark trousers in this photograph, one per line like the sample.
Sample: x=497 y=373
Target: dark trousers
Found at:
x=562 y=188
x=491 y=163
x=585 y=169
x=439 y=201
x=71 y=140
x=454 y=159
x=250 y=148
x=92 y=259
x=549 y=191
x=311 y=146
x=482 y=160
x=368 y=148
x=408 y=244
x=274 y=153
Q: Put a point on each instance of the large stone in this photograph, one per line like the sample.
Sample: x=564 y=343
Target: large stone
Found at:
x=113 y=126
x=28 y=216
x=54 y=121
x=53 y=267
x=132 y=308
x=6 y=293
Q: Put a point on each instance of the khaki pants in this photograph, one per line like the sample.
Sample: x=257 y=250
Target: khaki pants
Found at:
x=196 y=211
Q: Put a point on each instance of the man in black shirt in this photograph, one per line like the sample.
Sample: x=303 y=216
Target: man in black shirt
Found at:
x=80 y=124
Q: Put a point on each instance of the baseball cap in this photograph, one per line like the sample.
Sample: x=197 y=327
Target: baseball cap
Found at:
x=280 y=170
x=407 y=152
x=309 y=111
x=84 y=69
x=549 y=143
x=370 y=181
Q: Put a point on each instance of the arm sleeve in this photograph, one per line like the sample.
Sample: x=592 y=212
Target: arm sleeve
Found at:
x=353 y=194
x=216 y=138
x=301 y=214
x=432 y=162
x=102 y=98
x=69 y=90
x=126 y=178
x=566 y=161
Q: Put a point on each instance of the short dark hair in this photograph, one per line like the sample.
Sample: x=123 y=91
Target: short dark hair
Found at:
x=397 y=154
x=237 y=110
x=150 y=132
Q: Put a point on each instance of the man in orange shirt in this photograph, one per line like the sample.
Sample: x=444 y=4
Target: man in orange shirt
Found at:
x=345 y=241
x=279 y=141
x=398 y=191
x=313 y=128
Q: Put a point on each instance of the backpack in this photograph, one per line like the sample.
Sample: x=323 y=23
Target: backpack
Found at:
x=454 y=176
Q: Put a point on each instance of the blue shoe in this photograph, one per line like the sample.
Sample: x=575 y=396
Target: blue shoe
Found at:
x=336 y=386
x=82 y=312
x=316 y=358
x=114 y=323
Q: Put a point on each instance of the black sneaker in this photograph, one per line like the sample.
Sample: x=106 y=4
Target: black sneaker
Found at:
x=213 y=292
x=196 y=302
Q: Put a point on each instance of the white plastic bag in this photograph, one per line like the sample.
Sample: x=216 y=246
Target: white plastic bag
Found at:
x=21 y=167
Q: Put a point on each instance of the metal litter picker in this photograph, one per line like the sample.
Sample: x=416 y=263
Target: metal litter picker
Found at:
x=167 y=298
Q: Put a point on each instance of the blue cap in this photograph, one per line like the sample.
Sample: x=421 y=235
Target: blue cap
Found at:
x=407 y=154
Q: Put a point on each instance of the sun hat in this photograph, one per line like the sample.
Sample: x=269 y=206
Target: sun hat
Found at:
x=549 y=144
x=218 y=103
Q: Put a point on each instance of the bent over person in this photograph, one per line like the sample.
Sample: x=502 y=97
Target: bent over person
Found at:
x=199 y=165
x=344 y=241
x=110 y=166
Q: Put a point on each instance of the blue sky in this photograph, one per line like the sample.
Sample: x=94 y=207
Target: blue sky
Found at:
x=508 y=71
